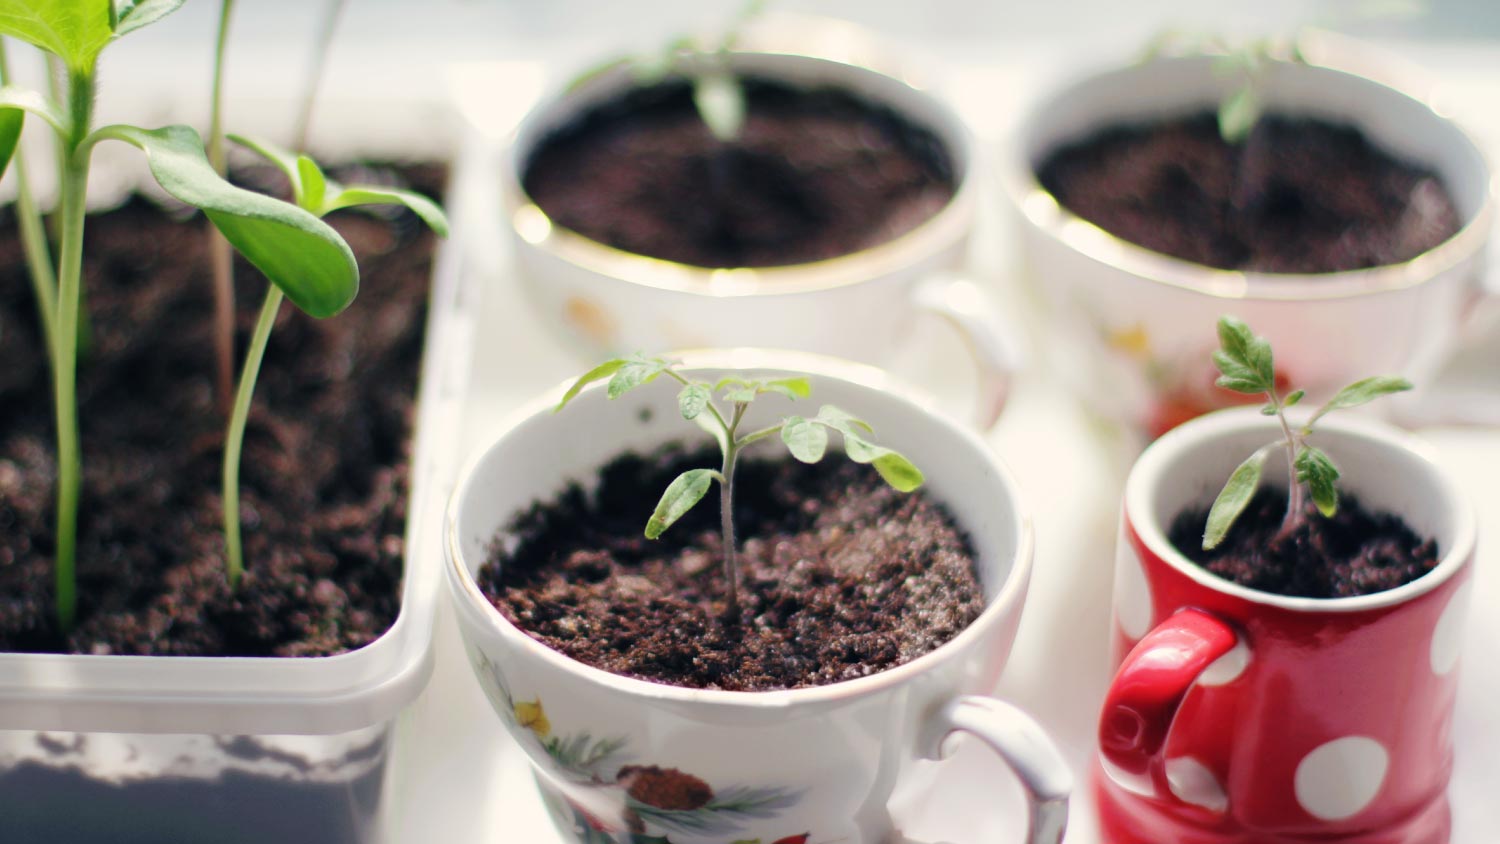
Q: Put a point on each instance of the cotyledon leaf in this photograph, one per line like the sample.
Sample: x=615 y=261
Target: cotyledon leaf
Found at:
x=14 y=103
x=73 y=30
x=294 y=249
x=354 y=195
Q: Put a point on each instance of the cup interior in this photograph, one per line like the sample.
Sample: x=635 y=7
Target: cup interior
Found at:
x=1388 y=470
x=1403 y=125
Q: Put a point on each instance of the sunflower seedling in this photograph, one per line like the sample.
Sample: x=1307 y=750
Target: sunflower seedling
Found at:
x=806 y=438
x=300 y=254
x=1245 y=364
x=319 y=196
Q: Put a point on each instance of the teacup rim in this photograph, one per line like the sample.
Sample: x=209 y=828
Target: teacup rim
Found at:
x=1338 y=54
x=934 y=235
x=1011 y=592
x=1152 y=466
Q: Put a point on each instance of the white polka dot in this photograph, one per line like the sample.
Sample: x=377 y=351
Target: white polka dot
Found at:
x=1227 y=668
x=1448 y=636
x=1194 y=783
x=1132 y=592
x=1340 y=778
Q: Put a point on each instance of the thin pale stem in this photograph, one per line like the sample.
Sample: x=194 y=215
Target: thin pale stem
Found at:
x=726 y=526
x=221 y=263
x=1294 y=489
x=65 y=349
x=321 y=46
x=235 y=439
x=34 y=241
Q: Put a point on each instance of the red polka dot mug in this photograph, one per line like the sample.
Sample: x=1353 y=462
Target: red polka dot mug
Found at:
x=1241 y=717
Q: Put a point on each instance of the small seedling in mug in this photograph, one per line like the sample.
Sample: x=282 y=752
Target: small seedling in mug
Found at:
x=1245 y=364
x=718 y=94
x=805 y=437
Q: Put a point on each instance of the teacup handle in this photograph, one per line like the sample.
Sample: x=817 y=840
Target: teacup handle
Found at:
x=1024 y=746
x=962 y=304
x=1143 y=699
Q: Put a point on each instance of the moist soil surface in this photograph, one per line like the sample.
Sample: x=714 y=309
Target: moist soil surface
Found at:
x=324 y=471
x=1298 y=196
x=815 y=174
x=1356 y=552
x=841 y=576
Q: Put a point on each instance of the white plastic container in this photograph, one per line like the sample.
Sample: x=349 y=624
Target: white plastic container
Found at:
x=177 y=750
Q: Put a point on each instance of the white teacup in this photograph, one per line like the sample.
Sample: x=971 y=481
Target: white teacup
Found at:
x=859 y=306
x=819 y=762
x=1136 y=327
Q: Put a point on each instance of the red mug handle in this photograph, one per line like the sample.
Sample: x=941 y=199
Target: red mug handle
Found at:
x=1146 y=692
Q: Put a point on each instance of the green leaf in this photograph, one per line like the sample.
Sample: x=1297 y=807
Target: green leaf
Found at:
x=842 y=421
x=1238 y=114
x=314 y=185
x=598 y=373
x=894 y=468
x=1233 y=499
x=282 y=160
x=742 y=395
x=1291 y=400
x=11 y=122
x=1243 y=359
x=635 y=372
x=295 y=250
x=730 y=381
x=684 y=492
x=1318 y=472
x=720 y=100
x=792 y=388
x=1362 y=392
x=130 y=15
x=425 y=209
x=693 y=400
x=1268 y=410
x=806 y=441
x=73 y=30
x=25 y=99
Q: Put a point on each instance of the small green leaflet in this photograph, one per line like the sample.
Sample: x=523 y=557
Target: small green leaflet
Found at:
x=314 y=185
x=635 y=372
x=1361 y=392
x=792 y=388
x=1234 y=498
x=1238 y=114
x=805 y=440
x=693 y=400
x=1318 y=472
x=294 y=249
x=686 y=490
x=352 y=196
x=1244 y=360
x=894 y=469
x=129 y=15
x=598 y=373
x=720 y=100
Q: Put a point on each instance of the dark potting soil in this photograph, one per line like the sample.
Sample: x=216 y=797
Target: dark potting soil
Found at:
x=1298 y=196
x=1356 y=552
x=841 y=576
x=815 y=174
x=324 y=472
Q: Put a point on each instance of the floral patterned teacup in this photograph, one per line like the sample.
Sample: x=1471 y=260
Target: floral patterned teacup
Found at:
x=625 y=761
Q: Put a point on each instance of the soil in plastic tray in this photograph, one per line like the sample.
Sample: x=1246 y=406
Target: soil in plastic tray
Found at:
x=1355 y=552
x=324 y=471
x=815 y=173
x=841 y=576
x=1298 y=196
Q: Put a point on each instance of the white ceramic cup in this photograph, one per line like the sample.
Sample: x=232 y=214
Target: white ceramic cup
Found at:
x=819 y=762
x=860 y=306
x=1135 y=328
